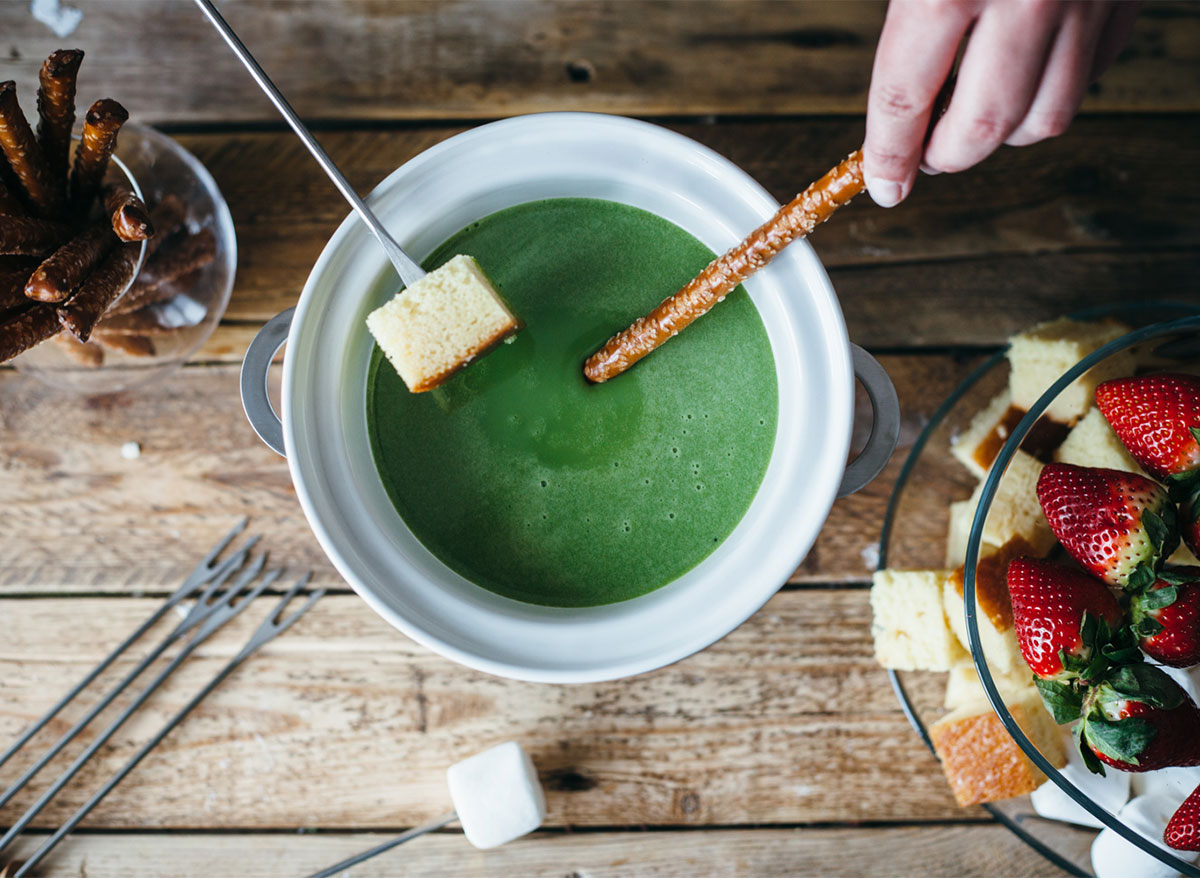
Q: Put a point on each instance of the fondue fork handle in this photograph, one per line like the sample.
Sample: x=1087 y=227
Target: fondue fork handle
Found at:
x=408 y=270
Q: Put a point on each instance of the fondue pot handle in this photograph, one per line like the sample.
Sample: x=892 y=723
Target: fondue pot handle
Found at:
x=255 y=366
x=885 y=428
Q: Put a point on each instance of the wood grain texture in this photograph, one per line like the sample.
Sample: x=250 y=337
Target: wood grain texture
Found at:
x=945 y=851
x=87 y=520
x=403 y=60
x=1085 y=225
x=345 y=723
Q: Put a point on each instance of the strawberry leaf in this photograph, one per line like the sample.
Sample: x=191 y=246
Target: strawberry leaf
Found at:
x=1159 y=598
x=1195 y=431
x=1141 y=578
x=1176 y=578
x=1145 y=683
x=1064 y=702
x=1147 y=627
x=1094 y=765
x=1119 y=655
x=1123 y=740
x=1156 y=528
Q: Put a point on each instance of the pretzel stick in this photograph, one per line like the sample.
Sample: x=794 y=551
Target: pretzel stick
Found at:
x=142 y=295
x=81 y=312
x=26 y=236
x=794 y=220
x=24 y=155
x=64 y=270
x=12 y=283
x=56 y=112
x=130 y=218
x=167 y=217
x=85 y=353
x=20 y=332
x=194 y=251
x=100 y=126
x=141 y=322
x=134 y=345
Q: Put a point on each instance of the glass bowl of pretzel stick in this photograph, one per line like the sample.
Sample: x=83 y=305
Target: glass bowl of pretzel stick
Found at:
x=965 y=505
x=180 y=290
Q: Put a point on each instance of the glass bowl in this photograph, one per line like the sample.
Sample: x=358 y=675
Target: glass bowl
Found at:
x=167 y=313
x=914 y=537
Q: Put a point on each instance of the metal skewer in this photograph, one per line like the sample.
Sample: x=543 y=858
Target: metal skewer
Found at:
x=205 y=571
x=405 y=266
x=271 y=628
x=202 y=610
x=218 y=614
x=444 y=820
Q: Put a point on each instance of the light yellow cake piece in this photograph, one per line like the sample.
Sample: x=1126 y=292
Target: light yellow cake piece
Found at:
x=993 y=607
x=1015 y=511
x=962 y=513
x=1092 y=442
x=982 y=762
x=1040 y=356
x=963 y=689
x=441 y=323
x=976 y=447
x=909 y=624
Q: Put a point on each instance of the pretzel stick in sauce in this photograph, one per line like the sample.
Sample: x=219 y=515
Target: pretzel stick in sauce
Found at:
x=26 y=236
x=100 y=126
x=80 y=313
x=64 y=270
x=794 y=220
x=20 y=332
x=130 y=218
x=25 y=156
x=56 y=112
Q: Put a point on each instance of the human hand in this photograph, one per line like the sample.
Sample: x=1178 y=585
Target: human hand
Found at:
x=1023 y=74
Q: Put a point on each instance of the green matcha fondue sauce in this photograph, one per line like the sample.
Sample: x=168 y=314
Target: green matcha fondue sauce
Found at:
x=529 y=481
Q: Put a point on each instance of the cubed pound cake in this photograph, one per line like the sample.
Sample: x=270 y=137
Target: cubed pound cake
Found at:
x=977 y=446
x=993 y=606
x=1040 y=356
x=982 y=762
x=441 y=323
x=963 y=688
x=909 y=625
x=1015 y=511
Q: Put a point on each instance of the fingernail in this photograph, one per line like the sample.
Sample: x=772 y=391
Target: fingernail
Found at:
x=932 y=172
x=886 y=193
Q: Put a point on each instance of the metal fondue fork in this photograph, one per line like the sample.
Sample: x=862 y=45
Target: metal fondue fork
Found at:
x=405 y=266
x=231 y=603
x=206 y=571
x=270 y=628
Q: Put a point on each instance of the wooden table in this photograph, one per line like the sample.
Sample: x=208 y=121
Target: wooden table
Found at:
x=779 y=750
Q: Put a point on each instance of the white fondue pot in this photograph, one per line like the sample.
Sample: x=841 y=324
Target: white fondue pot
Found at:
x=323 y=429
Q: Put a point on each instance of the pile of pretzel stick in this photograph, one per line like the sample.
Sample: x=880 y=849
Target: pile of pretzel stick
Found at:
x=69 y=244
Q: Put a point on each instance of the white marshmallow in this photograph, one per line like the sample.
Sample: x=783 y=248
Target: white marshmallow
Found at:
x=1174 y=783
x=497 y=795
x=1109 y=792
x=1114 y=857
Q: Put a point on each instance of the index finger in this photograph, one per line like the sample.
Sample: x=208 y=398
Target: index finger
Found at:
x=915 y=54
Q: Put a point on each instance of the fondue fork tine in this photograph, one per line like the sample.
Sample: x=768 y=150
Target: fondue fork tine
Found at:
x=230 y=604
x=270 y=628
x=205 y=571
x=410 y=272
x=204 y=609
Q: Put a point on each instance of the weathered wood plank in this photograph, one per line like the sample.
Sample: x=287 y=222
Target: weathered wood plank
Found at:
x=1084 y=226
x=344 y=723
x=970 y=851
x=388 y=60
x=83 y=518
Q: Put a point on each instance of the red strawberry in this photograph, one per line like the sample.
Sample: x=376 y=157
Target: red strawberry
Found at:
x=1157 y=418
x=1118 y=525
x=1183 y=830
x=1166 y=618
x=1141 y=735
x=1154 y=417
x=1050 y=603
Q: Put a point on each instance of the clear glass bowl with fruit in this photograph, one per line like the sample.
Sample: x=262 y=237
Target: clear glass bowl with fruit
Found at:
x=968 y=485
x=182 y=287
